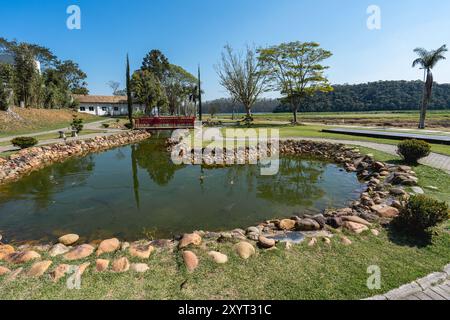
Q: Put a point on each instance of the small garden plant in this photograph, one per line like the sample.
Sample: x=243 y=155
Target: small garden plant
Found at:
x=77 y=124
x=413 y=150
x=420 y=214
x=24 y=142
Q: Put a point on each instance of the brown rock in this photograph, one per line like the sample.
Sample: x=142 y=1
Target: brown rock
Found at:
x=312 y=242
x=121 y=265
x=82 y=269
x=345 y=241
x=108 y=246
x=355 y=227
x=385 y=211
x=218 y=257
x=245 y=250
x=39 y=268
x=59 y=272
x=4 y=270
x=190 y=239
x=23 y=257
x=190 y=260
x=286 y=224
x=80 y=252
x=357 y=220
x=266 y=243
x=101 y=265
x=139 y=267
x=69 y=239
x=375 y=232
x=307 y=225
x=5 y=251
x=14 y=274
x=142 y=251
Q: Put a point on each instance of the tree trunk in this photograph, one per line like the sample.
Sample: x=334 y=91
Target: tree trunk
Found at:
x=426 y=99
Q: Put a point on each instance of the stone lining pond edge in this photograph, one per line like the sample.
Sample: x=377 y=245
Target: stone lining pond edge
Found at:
x=32 y=159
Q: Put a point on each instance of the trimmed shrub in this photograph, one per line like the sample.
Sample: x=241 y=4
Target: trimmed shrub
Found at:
x=77 y=124
x=24 y=142
x=413 y=150
x=420 y=214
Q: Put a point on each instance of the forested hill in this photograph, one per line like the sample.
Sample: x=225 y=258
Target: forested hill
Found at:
x=373 y=96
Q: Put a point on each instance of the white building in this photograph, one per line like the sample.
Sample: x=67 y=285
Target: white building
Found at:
x=105 y=105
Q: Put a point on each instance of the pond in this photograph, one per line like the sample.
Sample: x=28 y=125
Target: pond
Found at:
x=136 y=191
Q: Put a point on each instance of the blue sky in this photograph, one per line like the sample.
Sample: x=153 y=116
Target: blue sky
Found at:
x=194 y=31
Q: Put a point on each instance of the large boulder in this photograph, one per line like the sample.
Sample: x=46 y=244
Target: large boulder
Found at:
x=357 y=220
x=121 y=265
x=101 y=265
x=23 y=257
x=335 y=222
x=190 y=239
x=69 y=239
x=266 y=243
x=245 y=250
x=58 y=249
x=108 y=246
x=286 y=224
x=80 y=252
x=5 y=251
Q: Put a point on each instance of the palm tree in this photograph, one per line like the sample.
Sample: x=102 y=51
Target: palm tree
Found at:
x=428 y=60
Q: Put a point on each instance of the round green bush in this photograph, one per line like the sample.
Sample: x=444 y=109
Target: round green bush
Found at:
x=413 y=150
x=420 y=214
x=24 y=142
x=105 y=125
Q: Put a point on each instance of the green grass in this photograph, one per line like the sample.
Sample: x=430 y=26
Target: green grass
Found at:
x=321 y=272
x=50 y=136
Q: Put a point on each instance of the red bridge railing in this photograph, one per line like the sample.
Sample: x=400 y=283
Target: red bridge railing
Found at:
x=164 y=123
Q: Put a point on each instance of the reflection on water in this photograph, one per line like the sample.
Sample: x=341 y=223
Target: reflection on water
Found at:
x=127 y=191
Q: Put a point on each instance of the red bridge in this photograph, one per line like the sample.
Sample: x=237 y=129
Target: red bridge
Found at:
x=164 y=123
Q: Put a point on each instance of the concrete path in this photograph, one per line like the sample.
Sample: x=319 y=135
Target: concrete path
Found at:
x=87 y=126
x=434 y=160
x=435 y=286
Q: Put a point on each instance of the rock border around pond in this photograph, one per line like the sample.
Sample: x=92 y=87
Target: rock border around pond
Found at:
x=32 y=159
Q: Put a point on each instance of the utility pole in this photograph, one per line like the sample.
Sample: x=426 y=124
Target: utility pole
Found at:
x=199 y=95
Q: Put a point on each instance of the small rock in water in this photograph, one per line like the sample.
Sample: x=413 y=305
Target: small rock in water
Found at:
x=121 y=265
x=58 y=249
x=245 y=250
x=39 y=268
x=190 y=260
x=101 y=265
x=69 y=239
x=266 y=243
x=139 y=267
x=218 y=257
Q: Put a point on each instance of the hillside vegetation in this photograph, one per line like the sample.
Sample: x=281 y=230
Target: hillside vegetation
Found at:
x=31 y=120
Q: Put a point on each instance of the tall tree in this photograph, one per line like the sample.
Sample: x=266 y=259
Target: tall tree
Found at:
x=178 y=85
x=157 y=63
x=241 y=76
x=26 y=73
x=428 y=60
x=129 y=93
x=114 y=85
x=148 y=90
x=295 y=69
x=74 y=77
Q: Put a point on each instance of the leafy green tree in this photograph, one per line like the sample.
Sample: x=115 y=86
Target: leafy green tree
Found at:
x=178 y=84
x=242 y=77
x=295 y=69
x=148 y=90
x=157 y=63
x=74 y=77
x=427 y=61
x=25 y=73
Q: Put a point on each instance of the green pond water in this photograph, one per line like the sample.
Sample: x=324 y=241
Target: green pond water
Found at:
x=136 y=191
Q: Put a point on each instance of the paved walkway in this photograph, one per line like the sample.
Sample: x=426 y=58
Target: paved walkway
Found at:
x=434 y=160
x=435 y=286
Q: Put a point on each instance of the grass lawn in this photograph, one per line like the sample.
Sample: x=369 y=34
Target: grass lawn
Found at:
x=320 y=272
x=50 y=136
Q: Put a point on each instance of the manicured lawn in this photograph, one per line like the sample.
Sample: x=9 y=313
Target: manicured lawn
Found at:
x=50 y=136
